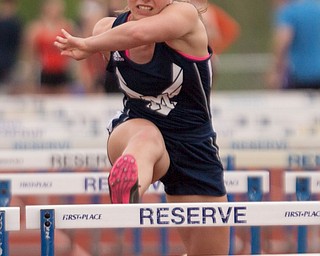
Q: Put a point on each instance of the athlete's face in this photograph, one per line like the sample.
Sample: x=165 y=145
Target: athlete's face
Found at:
x=145 y=8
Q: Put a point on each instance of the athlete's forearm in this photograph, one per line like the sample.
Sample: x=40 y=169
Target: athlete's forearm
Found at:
x=122 y=37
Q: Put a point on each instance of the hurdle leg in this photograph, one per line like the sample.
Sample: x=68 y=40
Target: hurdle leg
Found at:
x=137 y=241
x=254 y=195
x=5 y=198
x=163 y=237
x=47 y=232
x=303 y=193
x=5 y=193
x=164 y=234
x=230 y=166
x=4 y=251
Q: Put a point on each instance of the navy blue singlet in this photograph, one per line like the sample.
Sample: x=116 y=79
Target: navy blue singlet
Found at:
x=173 y=92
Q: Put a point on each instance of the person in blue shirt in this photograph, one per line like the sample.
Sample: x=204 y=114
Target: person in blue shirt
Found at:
x=159 y=51
x=297 y=46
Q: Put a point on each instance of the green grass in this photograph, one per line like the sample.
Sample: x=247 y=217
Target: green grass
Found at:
x=29 y=9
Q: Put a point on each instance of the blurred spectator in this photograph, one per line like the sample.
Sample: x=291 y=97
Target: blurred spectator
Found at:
x=278 y=3
x=10 y=31
x=296 y=46
x=91 y=71
x=49 y=71
x=222 y=29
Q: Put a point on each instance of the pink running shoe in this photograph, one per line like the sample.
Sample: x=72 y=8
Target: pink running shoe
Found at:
x=123 y=181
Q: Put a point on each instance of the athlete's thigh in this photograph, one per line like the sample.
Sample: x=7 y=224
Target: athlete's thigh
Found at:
x=140 y=133
x=203 y=240
x=122 y=133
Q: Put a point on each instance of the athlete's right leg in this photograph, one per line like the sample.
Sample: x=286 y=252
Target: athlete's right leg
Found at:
x=203 y=240
x=142 y=142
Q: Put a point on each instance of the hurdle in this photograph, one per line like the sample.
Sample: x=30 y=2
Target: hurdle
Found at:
x=177 y=215
x=252 y=183
x=9 y=221
x=302 y=184
x=47 y=218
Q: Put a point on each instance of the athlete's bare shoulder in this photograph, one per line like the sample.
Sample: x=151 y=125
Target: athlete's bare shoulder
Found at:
x=183 y=8
x=103 y=25
x=193 y=39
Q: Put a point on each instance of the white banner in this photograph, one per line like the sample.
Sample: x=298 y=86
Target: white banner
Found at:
x=60 y=142
x=78 y=140
x=265 y=159
x=13 y=160
x=53 y=159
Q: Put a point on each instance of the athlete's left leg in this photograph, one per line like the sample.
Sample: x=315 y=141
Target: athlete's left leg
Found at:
x=136 y=147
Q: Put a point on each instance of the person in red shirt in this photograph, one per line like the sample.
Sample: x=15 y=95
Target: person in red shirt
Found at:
x=223 y=30
x=43 y=57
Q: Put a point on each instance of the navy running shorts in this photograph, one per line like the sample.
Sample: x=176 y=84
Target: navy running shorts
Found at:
x=195 y=166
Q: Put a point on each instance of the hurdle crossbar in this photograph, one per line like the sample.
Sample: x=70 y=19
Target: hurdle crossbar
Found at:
x=73 y=183
x=178 y=215
x=254 y=183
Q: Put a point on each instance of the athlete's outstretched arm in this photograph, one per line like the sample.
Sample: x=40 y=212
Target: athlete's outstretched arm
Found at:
x=173 y=22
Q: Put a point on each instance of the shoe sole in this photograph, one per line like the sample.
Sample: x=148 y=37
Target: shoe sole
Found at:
x=123 y=181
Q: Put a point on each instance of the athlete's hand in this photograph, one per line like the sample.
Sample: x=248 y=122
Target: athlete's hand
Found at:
x=71 y=46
